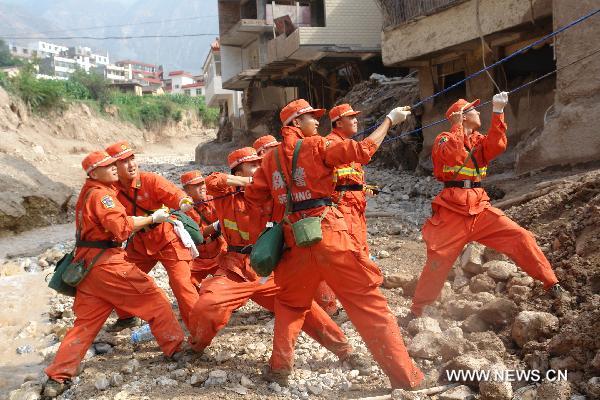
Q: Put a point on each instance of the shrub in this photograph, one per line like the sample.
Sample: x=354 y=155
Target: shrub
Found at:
x=76 y=90
x=38 y=94
x=95 y=83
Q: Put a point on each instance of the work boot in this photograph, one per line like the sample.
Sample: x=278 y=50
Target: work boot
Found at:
x=560 y=293
x=359 y=362
x=54 y=388
x=280 y=377
x=124 y=323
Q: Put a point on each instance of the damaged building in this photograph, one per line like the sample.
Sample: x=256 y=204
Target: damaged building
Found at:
x=275 y=51
x=550 y=123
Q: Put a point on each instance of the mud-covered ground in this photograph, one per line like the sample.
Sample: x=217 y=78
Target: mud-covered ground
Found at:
x=490 y=317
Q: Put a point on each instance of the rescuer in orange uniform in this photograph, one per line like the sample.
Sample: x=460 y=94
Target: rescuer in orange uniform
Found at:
x=349 y=178
x=205 y=215
x=140 y=193
x=324 y=296
x=337 y=258
x=265 y=144
x=462 y=212
x=102 y=223
x=236 y=282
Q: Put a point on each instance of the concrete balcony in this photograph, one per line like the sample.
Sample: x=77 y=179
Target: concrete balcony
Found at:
x=214 y=92
x=245 y=32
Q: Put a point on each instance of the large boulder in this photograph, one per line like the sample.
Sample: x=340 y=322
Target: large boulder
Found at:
x=423 y=324
x=499 y=312
x=461 y=309
x=500 y=270
x=496 y=389
x=454 y=344
x=29 y=198
x=558 y=390
x=426 y=345
x=471 y=260
x=471 y=361
x=533 y=325
x=482 y=283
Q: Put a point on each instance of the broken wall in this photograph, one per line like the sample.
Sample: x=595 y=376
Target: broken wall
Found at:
x=570 y=135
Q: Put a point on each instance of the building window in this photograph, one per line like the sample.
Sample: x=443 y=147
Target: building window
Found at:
x=188 y=92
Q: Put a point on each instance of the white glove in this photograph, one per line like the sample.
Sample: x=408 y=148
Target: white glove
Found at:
x=398 y=115
x=499 y=101
x=186 y=204
x=160 y=215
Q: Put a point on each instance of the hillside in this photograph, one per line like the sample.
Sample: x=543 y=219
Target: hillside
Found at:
x=69 y=16
x=40 y=156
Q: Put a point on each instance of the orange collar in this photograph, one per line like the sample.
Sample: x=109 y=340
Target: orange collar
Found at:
x=338 y=132
x=288 y=131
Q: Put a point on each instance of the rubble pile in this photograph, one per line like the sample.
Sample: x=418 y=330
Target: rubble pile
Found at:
x=375 y=98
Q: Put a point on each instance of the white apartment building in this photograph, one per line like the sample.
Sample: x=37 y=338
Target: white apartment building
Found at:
x=228 y=101
x=46 y=49
x=179 y=79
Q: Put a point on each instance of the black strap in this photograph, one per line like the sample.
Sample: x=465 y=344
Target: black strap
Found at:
x=349 y=188
x=472 y=152
x=313 y=203
x=288 y=187
x=97 y=244
x=135 y=205
x=467 y=184
x=240 y=249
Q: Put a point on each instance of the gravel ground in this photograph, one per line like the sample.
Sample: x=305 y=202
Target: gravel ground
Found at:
x=491 y=316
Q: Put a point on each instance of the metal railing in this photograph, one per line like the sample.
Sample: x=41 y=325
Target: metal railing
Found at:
x=398 y=12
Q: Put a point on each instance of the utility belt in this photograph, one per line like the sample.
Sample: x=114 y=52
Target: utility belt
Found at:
x=313 y=203
x=466 y=184
x=239 y=249
x=349 y=188
x=70 y=273
x=98 y=244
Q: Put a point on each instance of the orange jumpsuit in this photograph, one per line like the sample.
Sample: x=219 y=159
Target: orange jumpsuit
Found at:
x=207 y=262
x=352 y=203
x=112 y=282
x=159 y=243
x=236 y=282
x=463 y=215
x=337 y=259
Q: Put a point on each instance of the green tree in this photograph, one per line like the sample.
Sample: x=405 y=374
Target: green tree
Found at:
x=6 y=59
x=95 y=83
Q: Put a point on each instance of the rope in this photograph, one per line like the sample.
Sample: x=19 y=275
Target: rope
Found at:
x=485 y=69
x=518 y=88
x=216 y=198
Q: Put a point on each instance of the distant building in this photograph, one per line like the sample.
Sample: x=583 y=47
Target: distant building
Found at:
x=229 y=102
x=153 y=90
x=114 y=73
x=60 y=67
x=144 y=73
x=194 y=89
x=128 y=87
x=179 y=79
